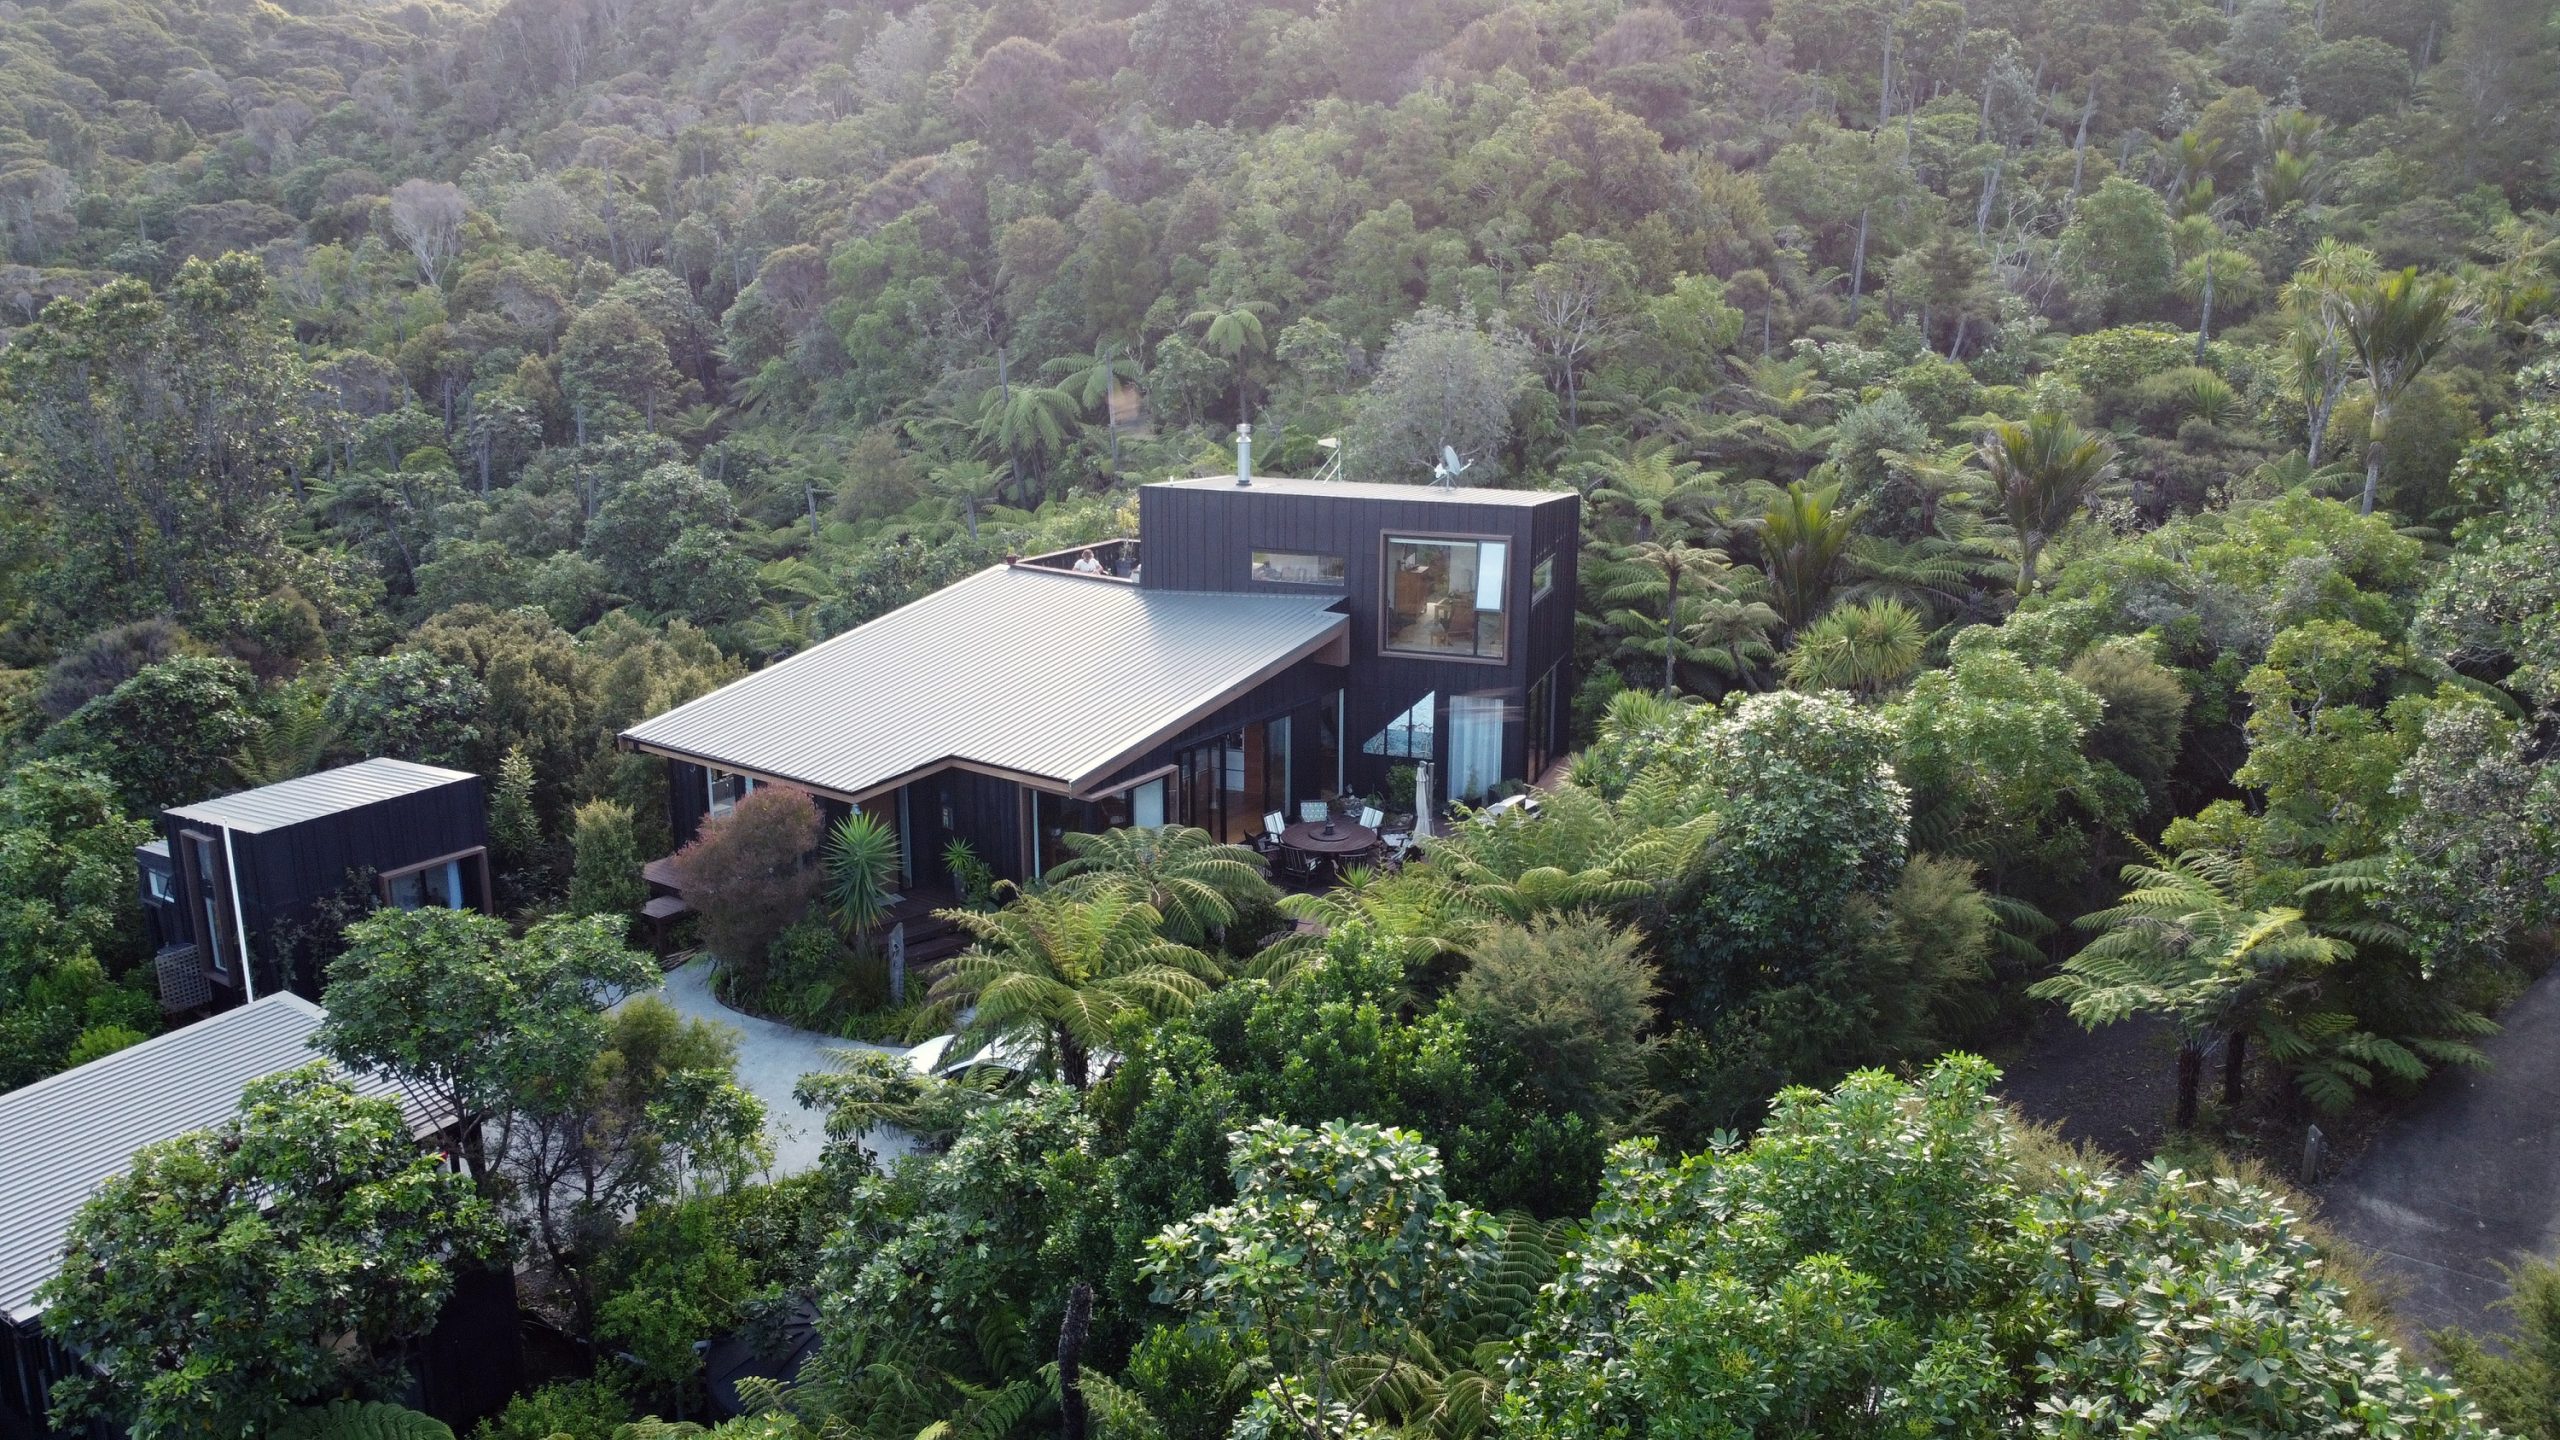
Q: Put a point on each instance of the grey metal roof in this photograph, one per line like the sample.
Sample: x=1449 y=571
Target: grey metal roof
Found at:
x=64 y=1134
x=1374 y=490
x=1024 y=671
x=308 y=797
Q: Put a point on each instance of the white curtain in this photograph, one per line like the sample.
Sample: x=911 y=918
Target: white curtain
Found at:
x=1475 y=745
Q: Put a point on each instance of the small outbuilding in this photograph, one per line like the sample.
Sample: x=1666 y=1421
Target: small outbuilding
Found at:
x=233 y=884
x=66 y=1134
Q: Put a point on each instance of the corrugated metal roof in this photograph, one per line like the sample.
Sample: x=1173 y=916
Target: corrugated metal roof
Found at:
x=63 y=1135
x=1373 y=490
x=308 y=797
x=1025 y=671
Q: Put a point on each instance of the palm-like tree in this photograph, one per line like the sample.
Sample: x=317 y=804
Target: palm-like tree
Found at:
x=1196 y=883
x=970 y=485
x=1090 y=378
x=1236 y=333
x=1804 y=537
x=1063 y=969
x=2044 y=471
x=1017 y=421
x=2318 y=354
x=2214 y=270
x=1663 y=572
x=1654 y=490
x=1868 y=648
x=2190 y=943
x=1731 y=636
x=2397 y=324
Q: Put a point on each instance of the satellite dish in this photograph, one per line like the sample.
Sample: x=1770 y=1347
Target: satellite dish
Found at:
x=1446 y=473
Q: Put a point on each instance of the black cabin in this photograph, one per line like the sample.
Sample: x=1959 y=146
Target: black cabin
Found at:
x=231 y=884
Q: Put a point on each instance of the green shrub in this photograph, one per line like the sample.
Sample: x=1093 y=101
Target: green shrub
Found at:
x=578 y=1409
x=605 y=877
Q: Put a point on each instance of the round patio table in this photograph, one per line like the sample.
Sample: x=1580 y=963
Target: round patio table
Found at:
x=1335 y=837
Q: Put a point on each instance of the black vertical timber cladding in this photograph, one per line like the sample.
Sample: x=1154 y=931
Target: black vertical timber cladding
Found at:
x=1202 y=537
x=986 y=812
x=688 y=795
x=284 y=872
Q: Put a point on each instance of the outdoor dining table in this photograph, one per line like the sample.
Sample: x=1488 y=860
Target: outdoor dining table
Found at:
x=1331 y=838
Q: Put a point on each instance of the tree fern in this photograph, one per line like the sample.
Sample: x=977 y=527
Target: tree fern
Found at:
x=360 y=1420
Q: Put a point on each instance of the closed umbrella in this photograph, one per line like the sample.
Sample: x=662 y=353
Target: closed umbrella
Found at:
x=1422 y=822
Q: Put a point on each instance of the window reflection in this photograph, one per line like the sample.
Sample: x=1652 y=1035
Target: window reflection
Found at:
x=1447 y=597
x=1290 y=567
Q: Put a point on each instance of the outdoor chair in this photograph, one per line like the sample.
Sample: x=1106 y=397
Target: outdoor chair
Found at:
x=1313 y=812
x=1371 y=817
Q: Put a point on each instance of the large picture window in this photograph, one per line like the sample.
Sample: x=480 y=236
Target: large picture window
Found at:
x=1448 y=597
x=1293 y=567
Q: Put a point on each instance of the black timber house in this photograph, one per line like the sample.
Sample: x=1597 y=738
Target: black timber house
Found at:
x=1257 y=646
x=231 y=882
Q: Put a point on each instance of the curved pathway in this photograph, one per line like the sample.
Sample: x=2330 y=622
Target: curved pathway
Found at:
x=2467 y=1179
x=771 y=1059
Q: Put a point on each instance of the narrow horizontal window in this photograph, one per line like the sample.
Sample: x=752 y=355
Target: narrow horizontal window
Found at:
x=1296 y=567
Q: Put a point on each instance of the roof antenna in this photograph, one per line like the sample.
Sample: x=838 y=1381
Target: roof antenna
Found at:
x=1244 y=456
x=1446 y=473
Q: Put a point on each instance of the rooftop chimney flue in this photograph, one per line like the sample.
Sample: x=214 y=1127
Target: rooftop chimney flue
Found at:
x=1244 y=456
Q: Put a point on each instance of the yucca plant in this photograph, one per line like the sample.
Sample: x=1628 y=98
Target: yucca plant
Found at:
x=1867 y=648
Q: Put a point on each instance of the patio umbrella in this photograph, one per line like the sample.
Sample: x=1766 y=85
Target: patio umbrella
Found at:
x=1422 y=800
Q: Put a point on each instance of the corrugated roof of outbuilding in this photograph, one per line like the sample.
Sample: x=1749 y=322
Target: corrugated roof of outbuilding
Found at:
x=327 y=792
x=64 y=1135
x=1025 y=672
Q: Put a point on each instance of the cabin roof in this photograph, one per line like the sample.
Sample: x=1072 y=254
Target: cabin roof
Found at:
x=1022 y=672
x=1371 y=490
x=66 y=1134
x=327 y=792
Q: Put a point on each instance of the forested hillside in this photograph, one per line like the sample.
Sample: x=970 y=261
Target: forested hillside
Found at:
x=2072 y=496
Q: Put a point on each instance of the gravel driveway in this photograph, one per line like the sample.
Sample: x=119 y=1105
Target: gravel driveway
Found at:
x=771 y=1059
x=2468 y=1178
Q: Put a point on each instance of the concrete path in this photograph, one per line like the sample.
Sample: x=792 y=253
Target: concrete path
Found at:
x=2466 y=1179
x=771 y=1059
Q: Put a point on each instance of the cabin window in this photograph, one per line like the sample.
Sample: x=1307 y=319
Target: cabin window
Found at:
x=429 y=887
x=159 y=886
x=1408 y=736
x=1542 y=578
x=207 y=869
x=1293 y=567
x=1447 y=597
x=724 y=789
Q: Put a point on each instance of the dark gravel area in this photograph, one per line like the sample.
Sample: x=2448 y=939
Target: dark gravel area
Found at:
x=2112 y=1088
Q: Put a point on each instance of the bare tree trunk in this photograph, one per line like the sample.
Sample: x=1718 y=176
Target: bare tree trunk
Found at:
x=1073 y=1414
x=2373 y=451
x=2190 y=1082
x=2204 y=321
x=1858 y=267
x=1670 y=629
x=2080 y=141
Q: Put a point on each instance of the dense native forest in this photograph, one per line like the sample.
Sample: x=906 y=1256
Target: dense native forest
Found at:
x=2073 y=531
